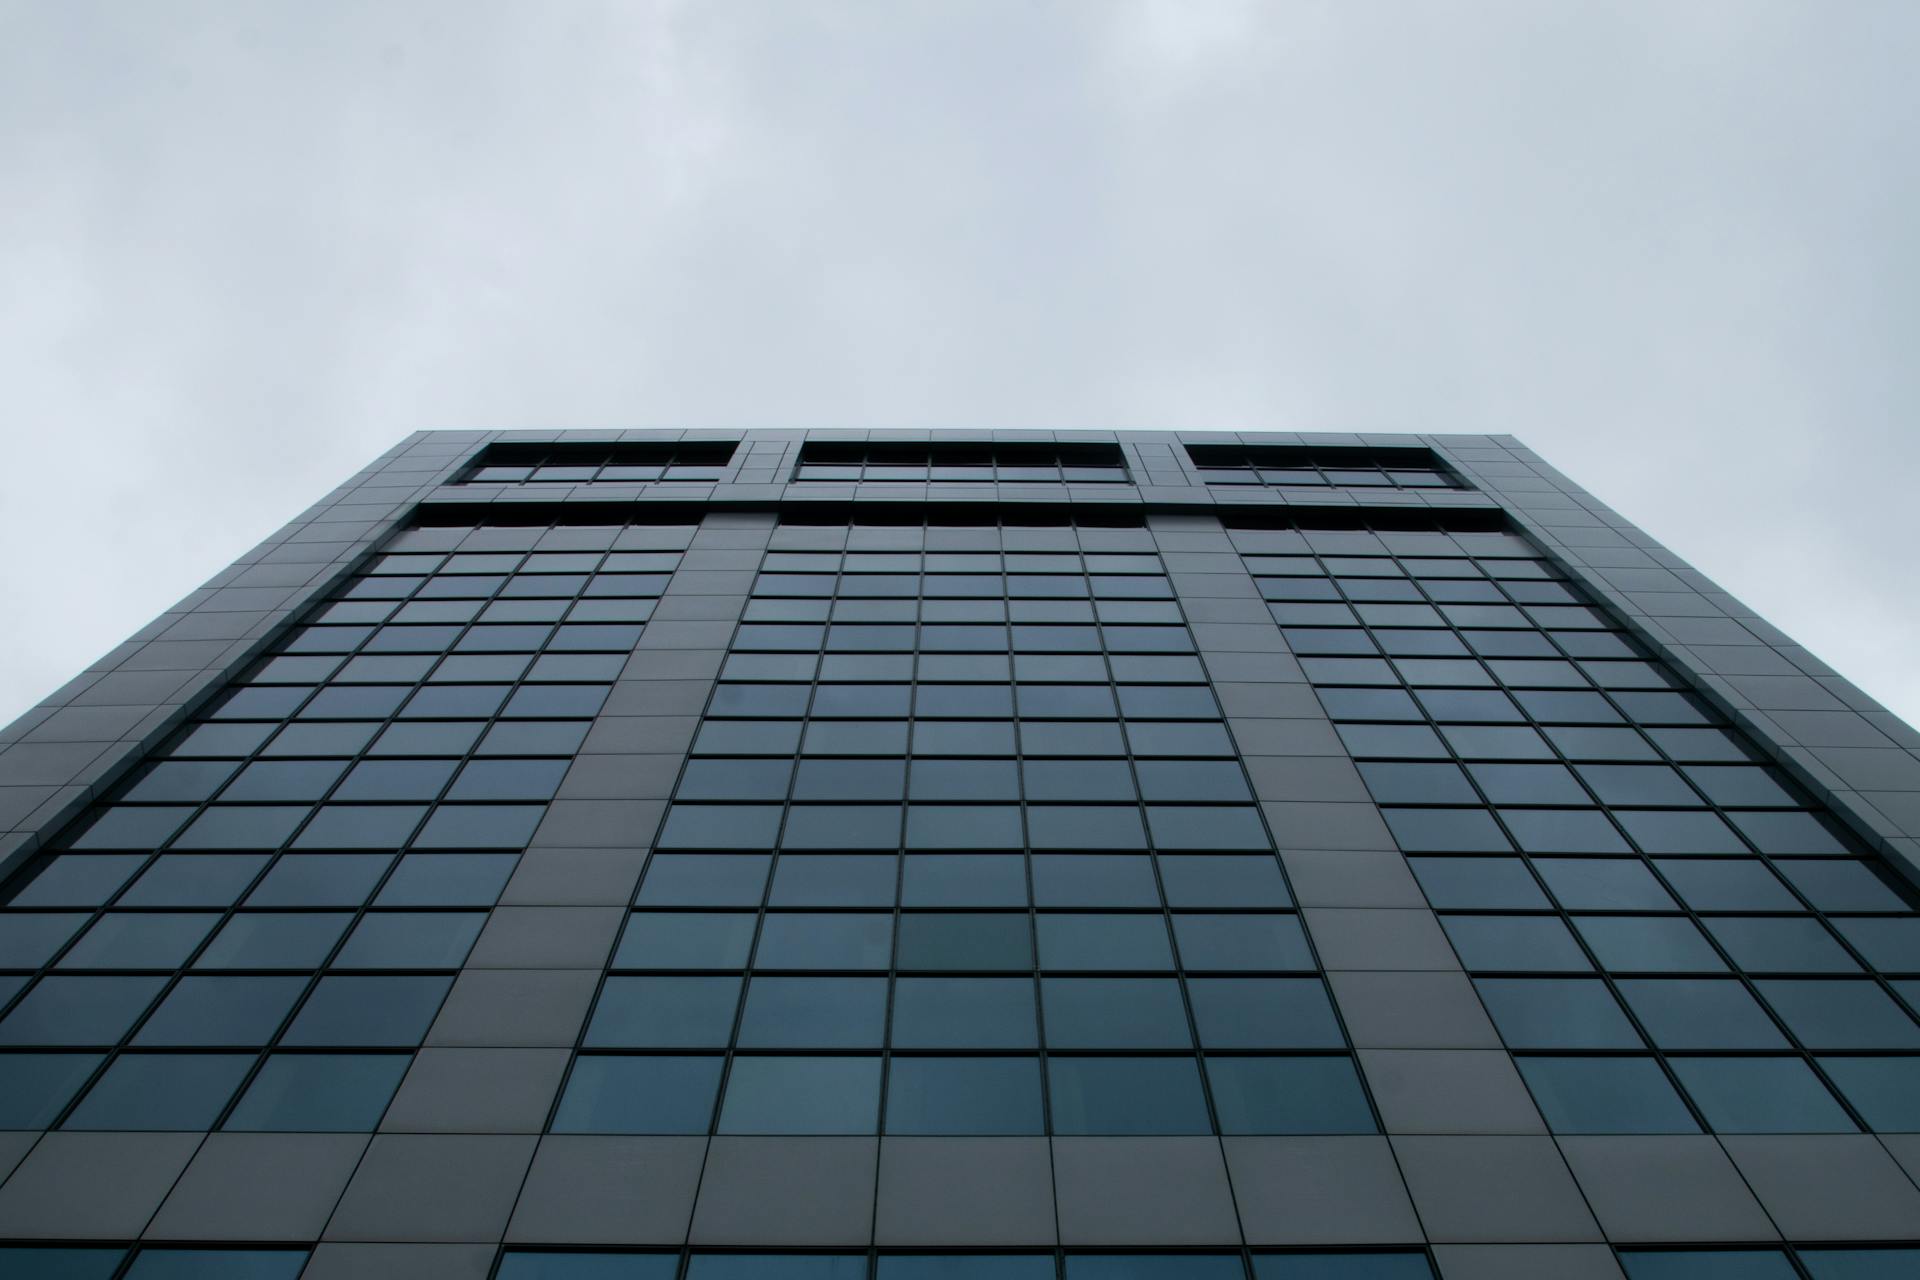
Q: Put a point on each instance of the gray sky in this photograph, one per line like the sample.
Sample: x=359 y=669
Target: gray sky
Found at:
x=245 y=247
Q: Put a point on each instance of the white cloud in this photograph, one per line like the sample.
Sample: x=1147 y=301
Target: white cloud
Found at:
x=243 y=251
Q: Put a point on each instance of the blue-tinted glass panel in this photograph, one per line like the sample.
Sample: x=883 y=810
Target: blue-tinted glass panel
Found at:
x=685 y=940
x=664 y=1012
x=1099 y=941
x=1556 y=1013
x=72 y=880
x=1649 y=944
x=1186 y=1266
x=1842 y=1014
x=782 y=1095
x=649 y=1094
x=320 y=880
x=813 y=1013
x=964 y=1013
x=1760 y=1095
x=764 y=1266
x=964 y=1096
x=320 y=1092
x=1484 y=884
x=702 y=880
x=42 y=1262
x=447 y=880
x=1341 y=1266
x=35 y=1086
x=275 y=940
x=1860 y=1264
x=222 y=1010
x=1605 y=1095
x=30 y=939
x=1701 y=1013
x=963 y=880
x=1114 y=1013
x=1761 y=945
x=1514 y=942
x=1094 y=880
x=147 y=1091
x=1885 y=1091
x=588 y=1266
x=1288 y=1095
x=1037 y=1266
x=370 y=1011
x=991 y=941
x=834 y=880
x=1217 y=942
x=1738 y=1264
x=194 y=880
x=62 y=1010
x=1264 y=1013
x=1126 y=1096
x=217 y=1264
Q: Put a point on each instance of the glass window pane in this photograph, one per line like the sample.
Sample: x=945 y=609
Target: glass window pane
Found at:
x=1605 y=1095
x=663 y=1013
x=383 y=1010
x=588 y=1266
x=1648 y=944
x=1114 y=1013
x=154 y=1091
x=1760 y=1095
x=78 y=1010
x=217 y=1264
x=320 y=1093
x=1094 y=880
x=1840 y=1014
x=964 y=1096
x=1288 y=1095
x=1700 y=1013
x=130 y=940
x=1090 y=941
x=1762 y=945
x=37 y=1262
x=275 y=940
x=699 y=880
x=1514 y=942
x=1885 y=1091
x=411 y=940
x=1216 y=942
x=320 y=880
x=1487 y=884
x=825 y=940
x=1693 y=1264
x=964 y=1013
x=1556 y=1013
x=1188 y=1266
x=644 y=1094
x=35 y=1086
x=1264 y=1013
x=1126 y=1096
x=972 y=941
x=1860 y=1264
x=819 y=1095
x=813 y=1013
x=963 y=880
x=967 y=1267
x=1342 y=1266
x=222 y=1010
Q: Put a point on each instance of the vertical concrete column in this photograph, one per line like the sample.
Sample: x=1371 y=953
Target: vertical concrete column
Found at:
x=1431 y=1058
x=578 y=877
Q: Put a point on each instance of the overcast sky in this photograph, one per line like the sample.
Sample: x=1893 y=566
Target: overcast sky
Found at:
x=244 y=247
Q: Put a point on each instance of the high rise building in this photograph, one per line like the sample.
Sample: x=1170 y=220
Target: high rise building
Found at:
x=808 y=855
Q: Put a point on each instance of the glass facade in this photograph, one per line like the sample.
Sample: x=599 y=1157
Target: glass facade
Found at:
x=1315 y=860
